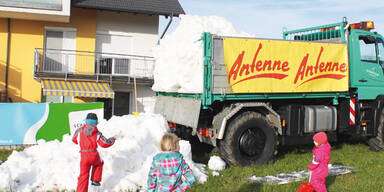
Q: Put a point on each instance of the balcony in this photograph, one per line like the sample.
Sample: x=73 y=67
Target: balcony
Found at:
x=93 y=66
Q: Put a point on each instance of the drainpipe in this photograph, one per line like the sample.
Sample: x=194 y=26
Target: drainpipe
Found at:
x=166 y=28
x=7 y=64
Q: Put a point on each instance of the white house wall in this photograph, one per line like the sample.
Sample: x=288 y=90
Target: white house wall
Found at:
x=140 y=29
x=145 y=97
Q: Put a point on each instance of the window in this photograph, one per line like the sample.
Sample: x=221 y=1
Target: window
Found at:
x=121 y=66
x=33 y=4
x=367 y=49
x=380 y=46
x=56 y=41
x=53 y=61
x=113 y=66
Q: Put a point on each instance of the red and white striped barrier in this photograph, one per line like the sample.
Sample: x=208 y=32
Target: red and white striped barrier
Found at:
x=352 y=111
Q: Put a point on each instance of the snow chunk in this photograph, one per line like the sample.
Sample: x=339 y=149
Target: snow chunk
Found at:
x=216 y=163
x=215 y=173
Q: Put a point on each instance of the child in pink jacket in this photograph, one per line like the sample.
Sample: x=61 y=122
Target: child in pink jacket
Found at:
x=319 y=166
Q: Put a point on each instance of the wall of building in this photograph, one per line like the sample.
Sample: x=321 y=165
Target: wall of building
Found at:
x=26 y=35
x=142 y=28
x=3 y=51
x=145 y=97
x=143 y=33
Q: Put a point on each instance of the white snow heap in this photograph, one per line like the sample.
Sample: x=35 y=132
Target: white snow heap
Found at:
x=179 y=57
x=216 y=163
x=55 y=165
x=197 y=168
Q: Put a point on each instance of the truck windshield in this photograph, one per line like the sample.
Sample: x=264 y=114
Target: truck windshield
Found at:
x=367 y=49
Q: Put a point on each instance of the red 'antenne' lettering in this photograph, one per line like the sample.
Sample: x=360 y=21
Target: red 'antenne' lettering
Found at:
x=235 y=67
x=301 y=70
x=318 y=59
x=255 y=57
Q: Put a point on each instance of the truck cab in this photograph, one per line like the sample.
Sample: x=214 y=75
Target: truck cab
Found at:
x=366 y=58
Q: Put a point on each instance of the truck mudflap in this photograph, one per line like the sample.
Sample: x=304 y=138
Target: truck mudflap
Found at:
x=183 y=111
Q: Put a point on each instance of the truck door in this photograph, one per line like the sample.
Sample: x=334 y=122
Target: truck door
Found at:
x=380 y=49
x=366 y=57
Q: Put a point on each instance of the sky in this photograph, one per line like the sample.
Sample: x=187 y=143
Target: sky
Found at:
x=267 y=18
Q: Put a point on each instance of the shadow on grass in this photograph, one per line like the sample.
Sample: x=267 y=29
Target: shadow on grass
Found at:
x=251 y=187
x=284 y=150
x=330 y=180
x=201 y=152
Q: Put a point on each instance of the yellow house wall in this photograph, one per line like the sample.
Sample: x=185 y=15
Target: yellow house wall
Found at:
x=27 y=35
x=3 y=51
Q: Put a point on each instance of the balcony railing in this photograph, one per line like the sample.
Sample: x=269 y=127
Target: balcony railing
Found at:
x=82 y=63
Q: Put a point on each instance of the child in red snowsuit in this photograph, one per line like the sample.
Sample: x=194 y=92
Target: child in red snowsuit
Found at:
x=88 y=137
x=319 y=165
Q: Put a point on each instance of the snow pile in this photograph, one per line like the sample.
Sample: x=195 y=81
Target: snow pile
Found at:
x=197 y=168
x=179 y=57
x=55 y=165
x=216 y=163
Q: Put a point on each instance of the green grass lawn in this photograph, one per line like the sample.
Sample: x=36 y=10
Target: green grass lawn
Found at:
x=369 y=177
x=4 y=154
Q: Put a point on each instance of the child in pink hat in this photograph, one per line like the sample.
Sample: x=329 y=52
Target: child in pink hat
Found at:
x=319 y=165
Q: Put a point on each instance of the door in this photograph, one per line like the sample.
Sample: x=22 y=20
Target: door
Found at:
x=118 y=106
x=367 y=74
x=367 y=71
x=121 y=103
x=59 y=50
x=108 y=111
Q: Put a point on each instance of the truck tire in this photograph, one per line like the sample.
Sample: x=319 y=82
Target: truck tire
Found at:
x=249 y=139
x=377 y=143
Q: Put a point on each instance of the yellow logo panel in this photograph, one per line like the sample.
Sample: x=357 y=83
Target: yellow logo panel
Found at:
x=276 y=66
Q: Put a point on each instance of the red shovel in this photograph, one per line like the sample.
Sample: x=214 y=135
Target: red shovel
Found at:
x=306 y=187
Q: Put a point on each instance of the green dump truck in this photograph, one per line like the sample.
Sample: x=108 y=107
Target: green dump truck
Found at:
x=262 y=93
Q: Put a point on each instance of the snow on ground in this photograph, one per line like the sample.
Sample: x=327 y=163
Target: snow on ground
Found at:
x=55 y=165
x=215 y=173
x=179 y=57
x=216 y=163
x=283 y=178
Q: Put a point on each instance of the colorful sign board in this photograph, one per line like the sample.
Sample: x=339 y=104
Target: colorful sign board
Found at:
x=278 y=66
x=26 y=123
x=76 y=118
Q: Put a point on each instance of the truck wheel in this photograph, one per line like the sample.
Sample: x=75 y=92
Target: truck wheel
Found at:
x=249 y=139
x=377 y=143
